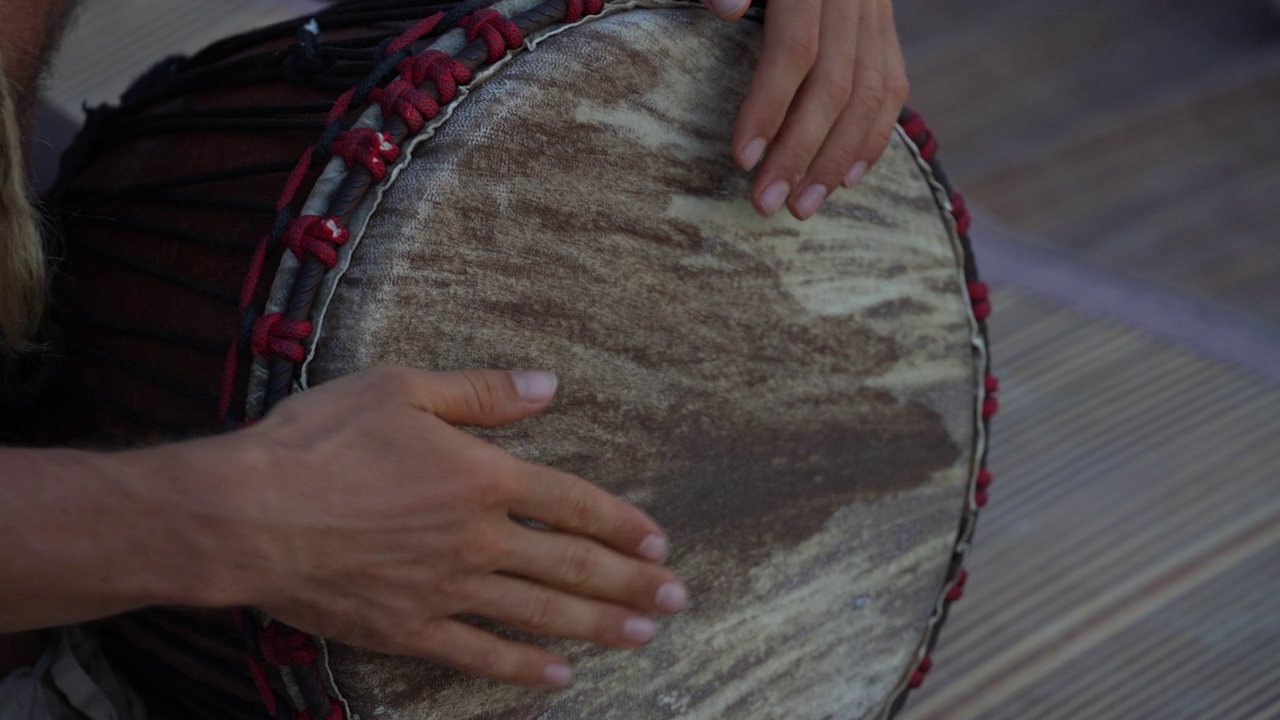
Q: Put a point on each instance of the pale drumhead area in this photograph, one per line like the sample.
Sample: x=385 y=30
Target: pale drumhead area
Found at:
x=794 y=402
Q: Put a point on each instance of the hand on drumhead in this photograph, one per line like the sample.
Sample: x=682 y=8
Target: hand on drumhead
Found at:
x=380 y=522
x=823 y=100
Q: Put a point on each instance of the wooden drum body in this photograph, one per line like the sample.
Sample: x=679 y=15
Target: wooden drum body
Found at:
x=801 y=405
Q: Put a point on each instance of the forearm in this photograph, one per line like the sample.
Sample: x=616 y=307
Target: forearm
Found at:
x=84 y=535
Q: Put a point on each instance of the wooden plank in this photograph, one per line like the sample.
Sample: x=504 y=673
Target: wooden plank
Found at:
x=1133 y=479
x=1140 y=135
x=1001 y=80
x=1159 y=189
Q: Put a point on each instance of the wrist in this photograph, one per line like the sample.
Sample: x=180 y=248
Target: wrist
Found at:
x=212 y=555
x=85 y=535
x=164 y=544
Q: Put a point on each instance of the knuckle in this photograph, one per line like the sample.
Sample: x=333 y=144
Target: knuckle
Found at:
x=580 y=512
x=833 y=91
x=801 y=52
x=426 y=636
x=870 y=100
x=485 y=396
x=481 y=548
x=578 y=564
x=494 y=484
x=898 y=89
x=496 y=491
x=540 y=612
x=485 y=659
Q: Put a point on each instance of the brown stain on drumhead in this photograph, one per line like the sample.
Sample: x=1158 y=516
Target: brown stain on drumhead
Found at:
x=718 y=370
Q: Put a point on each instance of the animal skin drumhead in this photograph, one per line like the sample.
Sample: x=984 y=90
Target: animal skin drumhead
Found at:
x=793 y=401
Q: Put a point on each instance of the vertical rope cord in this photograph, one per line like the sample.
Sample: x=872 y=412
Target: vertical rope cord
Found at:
x=114 y=129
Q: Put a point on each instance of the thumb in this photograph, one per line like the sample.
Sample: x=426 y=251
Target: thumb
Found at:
x=484 y=398
x=727 y=9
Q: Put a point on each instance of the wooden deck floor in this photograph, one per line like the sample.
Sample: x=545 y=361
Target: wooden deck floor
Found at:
x=1129 y=566
x=1141 y=135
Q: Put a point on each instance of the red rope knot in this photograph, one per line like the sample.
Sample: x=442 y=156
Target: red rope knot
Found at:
x=368 y=147
x=282 y=645
x=915 y=127
x=401 y=98
x=920 y=134
x=917 y=677
x=960 y=212
x=275 y=336
x=335 y=713
x=499 y=33
x=316 y=236
x=990 y=406
x=980 y=296
x=957 y=590
x=920 y=671
x=444 y=71
x=929 y=148
x=575 y=9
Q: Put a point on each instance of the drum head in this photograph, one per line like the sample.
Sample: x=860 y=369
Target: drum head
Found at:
x=794 y=402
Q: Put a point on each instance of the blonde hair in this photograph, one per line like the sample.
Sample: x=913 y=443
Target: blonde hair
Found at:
x=22 y=257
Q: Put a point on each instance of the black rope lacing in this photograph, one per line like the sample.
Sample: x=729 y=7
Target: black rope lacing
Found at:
x=334 y=66
x=141 y=332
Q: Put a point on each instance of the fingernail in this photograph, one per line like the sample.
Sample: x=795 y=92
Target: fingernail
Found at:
x=752 y=152
x=557 y=675
x=653 y=548
x=639 y=629
x=810 y=200
x=534 y=386
x=855 y=173
x=672 y=597
x=773 y=197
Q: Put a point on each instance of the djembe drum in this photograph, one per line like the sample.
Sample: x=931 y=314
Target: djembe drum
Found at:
x=548 y=185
